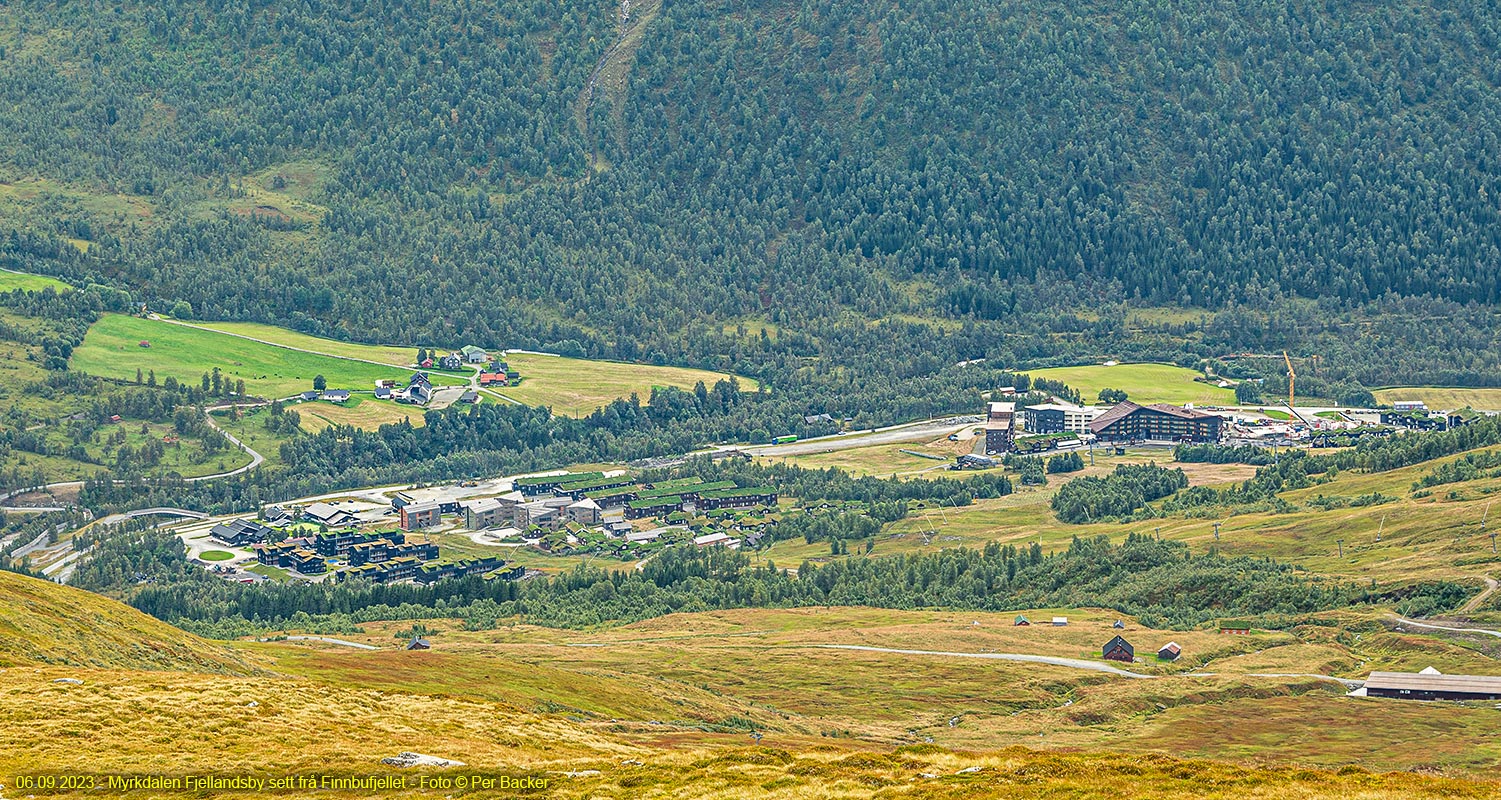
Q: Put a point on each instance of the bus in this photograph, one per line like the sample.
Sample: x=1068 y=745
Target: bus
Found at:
x=789 y=439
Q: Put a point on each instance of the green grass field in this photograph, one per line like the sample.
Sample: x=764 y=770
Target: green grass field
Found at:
x=1443 y=398
x=361 y=412
x=216 y=555
x=577 y=386
x=11 y=281
x=882 y=460
x=385 y=354
x=112 y=349
x=1143 y=383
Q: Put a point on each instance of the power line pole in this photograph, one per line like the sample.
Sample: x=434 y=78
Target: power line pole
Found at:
x=1217 y=531
x=1341 y=543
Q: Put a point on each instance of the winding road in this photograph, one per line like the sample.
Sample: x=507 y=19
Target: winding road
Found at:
x=1075 y=663
x=1478 y=600
x=256 y=459
x=1416 y=624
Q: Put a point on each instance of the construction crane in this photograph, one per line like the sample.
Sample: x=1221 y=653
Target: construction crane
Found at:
x=1292 y=380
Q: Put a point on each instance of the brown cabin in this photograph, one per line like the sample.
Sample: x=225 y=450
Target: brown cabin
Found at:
x=1118 y=649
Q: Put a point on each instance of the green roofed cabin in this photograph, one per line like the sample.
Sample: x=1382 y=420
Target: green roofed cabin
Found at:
x=544 y=484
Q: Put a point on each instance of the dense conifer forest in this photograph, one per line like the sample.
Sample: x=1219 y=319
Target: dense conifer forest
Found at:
x=771 y=180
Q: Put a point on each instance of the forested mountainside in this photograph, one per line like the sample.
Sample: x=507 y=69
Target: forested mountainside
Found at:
x=998 y=178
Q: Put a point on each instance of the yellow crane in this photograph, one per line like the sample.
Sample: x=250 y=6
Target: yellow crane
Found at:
x=1292 y=380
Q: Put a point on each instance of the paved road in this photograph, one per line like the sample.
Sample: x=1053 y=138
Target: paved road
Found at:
x=32 y=546
x=343 y=642
x=255 y=458
x=147 y=512
x=1415 y=623
x=1075 y=663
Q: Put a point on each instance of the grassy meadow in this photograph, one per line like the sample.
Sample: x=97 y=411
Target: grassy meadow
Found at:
x=1443 y=398
x=705 y=677
x=578 y=386
x=361 y=412
x=386 y=354
x=882 y=460
x=11 y=281
x=1143 y=383
x=112 y=349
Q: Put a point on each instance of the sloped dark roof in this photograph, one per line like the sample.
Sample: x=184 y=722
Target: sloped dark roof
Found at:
x=1121 y=410
x=1180 y=411
x=1125 y=645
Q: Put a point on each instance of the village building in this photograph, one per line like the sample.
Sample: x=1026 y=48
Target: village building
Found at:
x=452 y=361
x=474 y=355
x=1059 y=418
x=415 y=516
x=545 y=484
x=240 y=532
x=1129 y=422
x=1430 y=684
x=487 y=513
x=735 y=498
x=718 y=538
x=999 y=427
x=584 y=512
x=1169 y=652
x=1060 y=622
x=1118 y=649
x=326 y=514
x=540 y=514
x=338 y=543
x=335 y=395
x=439 y=570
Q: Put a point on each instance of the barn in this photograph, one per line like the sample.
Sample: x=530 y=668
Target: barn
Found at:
x=1432 y=685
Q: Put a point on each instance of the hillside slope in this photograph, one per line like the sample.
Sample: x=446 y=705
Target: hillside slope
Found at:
x=937 y=159
x=44 y=623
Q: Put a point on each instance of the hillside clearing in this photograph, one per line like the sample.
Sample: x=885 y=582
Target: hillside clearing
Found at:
x=11 y=281
x=1446 y=398
x=1143 y=383
x=386 y=354
x=112 y=349
x=577 y=386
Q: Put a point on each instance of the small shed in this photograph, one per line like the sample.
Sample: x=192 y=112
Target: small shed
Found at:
x=145 y=343
x=1060 y=622
x=1169 y=652
x=1119 y=625
x=1022 y=620
x=1118 y=649
x=419 y=643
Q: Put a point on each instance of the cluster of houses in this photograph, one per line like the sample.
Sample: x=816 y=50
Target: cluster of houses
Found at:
x=384 y=556
x=418 y=391
x=585 y=512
